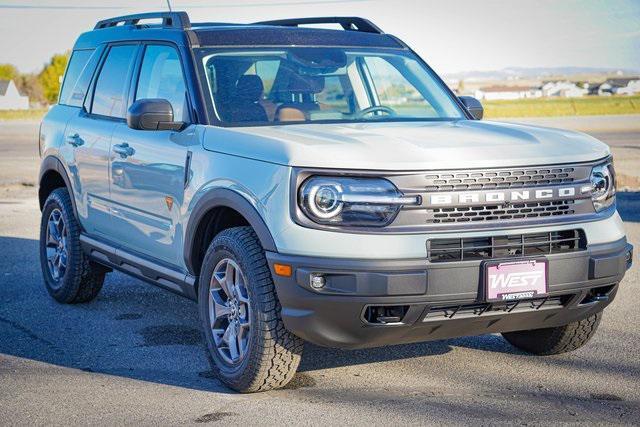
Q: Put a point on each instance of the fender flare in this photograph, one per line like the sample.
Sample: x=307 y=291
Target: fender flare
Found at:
x=52 y=163
x=223 y=197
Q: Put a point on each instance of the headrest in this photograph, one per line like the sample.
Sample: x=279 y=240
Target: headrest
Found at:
x=249 y=88
x=305 y=84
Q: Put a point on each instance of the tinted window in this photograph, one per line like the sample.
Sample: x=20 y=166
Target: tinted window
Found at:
x=295 y=84
x=73 y=93
x=161 y=77
x=109 y=98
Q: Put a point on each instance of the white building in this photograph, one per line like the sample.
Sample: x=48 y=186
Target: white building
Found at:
x=631 y=87
x=563 y=89
x=10 y=98
x=500 y=92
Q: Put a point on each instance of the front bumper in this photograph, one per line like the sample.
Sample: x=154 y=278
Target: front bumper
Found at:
x=436 y=300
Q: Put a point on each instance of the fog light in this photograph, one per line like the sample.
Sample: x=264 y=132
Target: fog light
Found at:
x=317 y=281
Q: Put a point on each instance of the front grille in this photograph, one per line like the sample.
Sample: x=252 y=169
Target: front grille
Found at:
x=517 y=245
x=499 y=179
x=495 y=212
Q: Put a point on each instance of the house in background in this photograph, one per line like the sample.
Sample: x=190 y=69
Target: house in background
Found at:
x=563 y=89
x=617 y=86
x=10 y=98
x=626 y=86
x=503 y=92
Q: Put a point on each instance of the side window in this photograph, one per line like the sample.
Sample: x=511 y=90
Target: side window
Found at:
x=73 y=91
x=161 y=77
x=110 y=92
x=333 y=96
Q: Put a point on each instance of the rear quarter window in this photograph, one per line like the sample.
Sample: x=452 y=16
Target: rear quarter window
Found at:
x=77 y=77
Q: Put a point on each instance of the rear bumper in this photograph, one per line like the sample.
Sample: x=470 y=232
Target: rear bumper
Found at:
x=438 y=301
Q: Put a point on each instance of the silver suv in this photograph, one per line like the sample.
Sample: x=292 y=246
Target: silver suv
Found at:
x=322 y=185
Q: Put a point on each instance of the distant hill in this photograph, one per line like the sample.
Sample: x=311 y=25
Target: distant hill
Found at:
x=537 y=72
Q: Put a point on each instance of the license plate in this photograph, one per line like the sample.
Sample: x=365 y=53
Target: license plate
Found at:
x=508 y=281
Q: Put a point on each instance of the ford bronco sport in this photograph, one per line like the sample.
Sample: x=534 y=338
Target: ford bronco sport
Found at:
x=321 y=185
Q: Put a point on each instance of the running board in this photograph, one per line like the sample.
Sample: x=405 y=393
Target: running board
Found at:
x=139 y=267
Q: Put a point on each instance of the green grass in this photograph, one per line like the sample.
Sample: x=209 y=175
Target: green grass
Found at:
x=36 y=114
x=550 y=107
x=540 y=107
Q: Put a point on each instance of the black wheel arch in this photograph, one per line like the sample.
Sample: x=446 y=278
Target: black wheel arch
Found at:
x=215 y=199
x=50 y=169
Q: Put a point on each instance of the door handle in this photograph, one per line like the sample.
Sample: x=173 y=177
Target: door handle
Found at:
x=124 y=150
x=74 y=140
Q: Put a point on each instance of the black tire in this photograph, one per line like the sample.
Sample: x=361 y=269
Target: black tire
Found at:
x=82 y=279
x=272 y=353
x=562 y=339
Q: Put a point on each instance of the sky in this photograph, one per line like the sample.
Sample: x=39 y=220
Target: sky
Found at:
x=450 y=35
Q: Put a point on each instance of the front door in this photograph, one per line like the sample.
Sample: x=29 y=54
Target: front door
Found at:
x=147 y=169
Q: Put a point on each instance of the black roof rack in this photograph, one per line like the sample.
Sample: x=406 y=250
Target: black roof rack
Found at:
x=179 y=20
x=349 y=23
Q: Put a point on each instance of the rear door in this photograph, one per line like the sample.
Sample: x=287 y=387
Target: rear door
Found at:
x=148 y=167
x=89 y=135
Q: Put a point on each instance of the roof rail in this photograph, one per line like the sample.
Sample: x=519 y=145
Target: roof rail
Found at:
x=348 y=23
x=179 y=20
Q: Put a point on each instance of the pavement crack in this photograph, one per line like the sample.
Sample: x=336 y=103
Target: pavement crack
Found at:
x=29 y=333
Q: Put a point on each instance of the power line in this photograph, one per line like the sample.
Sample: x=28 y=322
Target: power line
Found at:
x=187 y=6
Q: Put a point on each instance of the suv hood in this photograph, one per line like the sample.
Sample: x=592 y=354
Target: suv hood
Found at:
x=399 y=146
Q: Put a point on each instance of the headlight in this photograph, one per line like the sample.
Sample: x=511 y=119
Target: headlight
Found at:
x=603 y=186
x=351 y=201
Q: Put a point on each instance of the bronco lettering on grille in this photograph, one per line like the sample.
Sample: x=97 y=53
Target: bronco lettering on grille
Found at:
x=499 y=197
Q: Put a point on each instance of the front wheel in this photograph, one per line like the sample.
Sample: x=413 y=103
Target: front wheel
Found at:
x=561 y=339
x=250 y=348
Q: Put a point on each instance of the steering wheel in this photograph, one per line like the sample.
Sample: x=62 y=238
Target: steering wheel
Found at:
x=376 y=108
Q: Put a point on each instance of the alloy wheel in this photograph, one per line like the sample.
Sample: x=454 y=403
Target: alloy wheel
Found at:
x=56 y=246
x=229 y=311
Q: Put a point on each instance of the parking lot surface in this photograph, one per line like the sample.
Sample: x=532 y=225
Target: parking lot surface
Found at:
x=134 y=355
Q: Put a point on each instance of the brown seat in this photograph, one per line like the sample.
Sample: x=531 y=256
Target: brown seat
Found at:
x=304 y=89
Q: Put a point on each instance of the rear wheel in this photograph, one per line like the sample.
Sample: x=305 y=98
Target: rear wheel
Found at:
x=250 y=348
x=557 y=340
x=68 y=274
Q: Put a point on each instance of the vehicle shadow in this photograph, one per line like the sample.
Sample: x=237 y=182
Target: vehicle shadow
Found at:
x=134 y=330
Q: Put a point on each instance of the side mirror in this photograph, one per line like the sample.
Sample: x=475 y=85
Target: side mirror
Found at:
x=473 y=106
x=152 y=114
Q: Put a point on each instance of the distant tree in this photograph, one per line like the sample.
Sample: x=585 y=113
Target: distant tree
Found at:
x=461 y=87
x=29 y=85
x=50 y=76
x=8 y=72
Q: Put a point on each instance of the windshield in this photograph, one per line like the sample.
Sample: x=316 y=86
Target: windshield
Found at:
x=309 y=85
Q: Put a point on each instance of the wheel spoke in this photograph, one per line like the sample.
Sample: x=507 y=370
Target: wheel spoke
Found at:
x=221 y=280
x=51 y=252
x=218 y=336
x=233 y=342
x=229 y=279
x=53 y=232
x=219 y=310
x=63 y=258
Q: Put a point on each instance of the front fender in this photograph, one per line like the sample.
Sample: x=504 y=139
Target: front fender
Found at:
x=223 y=197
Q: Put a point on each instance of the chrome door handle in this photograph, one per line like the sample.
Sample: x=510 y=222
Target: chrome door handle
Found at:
x=74 y=140
x=124 y=150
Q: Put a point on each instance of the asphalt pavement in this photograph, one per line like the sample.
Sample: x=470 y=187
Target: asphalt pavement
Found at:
x=135 y=354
